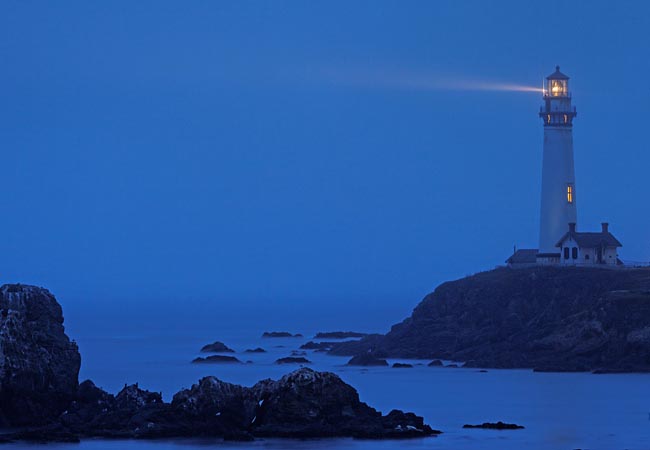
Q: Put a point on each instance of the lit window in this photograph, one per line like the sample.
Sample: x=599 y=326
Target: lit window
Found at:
x=548 y=118
x=566 y=118
x=569 y=193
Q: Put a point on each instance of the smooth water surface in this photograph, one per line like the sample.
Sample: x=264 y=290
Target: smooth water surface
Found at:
x=559 y=411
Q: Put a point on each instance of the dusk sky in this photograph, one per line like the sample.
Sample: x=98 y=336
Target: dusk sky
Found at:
x=304 y=156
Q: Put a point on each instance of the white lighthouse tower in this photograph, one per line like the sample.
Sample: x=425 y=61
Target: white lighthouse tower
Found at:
x=558 y=176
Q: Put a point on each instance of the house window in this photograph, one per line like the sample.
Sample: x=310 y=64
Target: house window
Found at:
x=586 y=256
x=574 y=252
x=566 y=252
x=569 y=193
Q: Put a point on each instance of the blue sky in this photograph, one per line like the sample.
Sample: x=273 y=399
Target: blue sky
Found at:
x=274 y=154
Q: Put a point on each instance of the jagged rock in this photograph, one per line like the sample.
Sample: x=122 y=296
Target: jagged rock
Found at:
x=216 y=359
x=217 y=347
x=366 y=359
x=339 y=335
x=39 y=365
x=306 y=403
x=216 y=407
x=303 y=403
x=496 y=426
x=293 y=360
x=547 y=318
x=255 y=350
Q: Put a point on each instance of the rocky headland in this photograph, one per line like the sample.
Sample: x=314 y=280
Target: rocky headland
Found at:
x=40 y=394
x=544 y=318
x=39 y=365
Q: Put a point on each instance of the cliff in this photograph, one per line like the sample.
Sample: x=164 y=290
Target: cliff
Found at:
x=547 y=318
x=39 y=366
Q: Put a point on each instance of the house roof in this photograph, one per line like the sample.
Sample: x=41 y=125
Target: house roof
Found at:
x=591 y=239
x=523 y=256
x=557 y=75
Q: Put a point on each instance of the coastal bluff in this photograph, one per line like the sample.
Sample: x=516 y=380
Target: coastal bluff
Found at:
x=39 y=365
x=545 y=318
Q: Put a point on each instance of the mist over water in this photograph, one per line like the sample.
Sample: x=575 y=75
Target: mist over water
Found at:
x=559 y=410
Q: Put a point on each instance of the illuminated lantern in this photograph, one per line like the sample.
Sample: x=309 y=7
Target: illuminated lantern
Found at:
x=558 y=208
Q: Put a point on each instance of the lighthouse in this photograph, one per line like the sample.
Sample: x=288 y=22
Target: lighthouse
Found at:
x=559 y=200
x=560 y=242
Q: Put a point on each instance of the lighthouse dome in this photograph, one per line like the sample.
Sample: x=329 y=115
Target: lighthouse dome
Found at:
x=557 y=75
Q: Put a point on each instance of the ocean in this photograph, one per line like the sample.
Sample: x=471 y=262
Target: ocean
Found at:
x=558 y=410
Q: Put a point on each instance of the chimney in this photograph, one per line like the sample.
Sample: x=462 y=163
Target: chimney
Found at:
x=605 y=227
x=572 y=227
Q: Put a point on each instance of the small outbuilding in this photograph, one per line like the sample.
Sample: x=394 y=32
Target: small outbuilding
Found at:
x=523 y=257
x=589 y=248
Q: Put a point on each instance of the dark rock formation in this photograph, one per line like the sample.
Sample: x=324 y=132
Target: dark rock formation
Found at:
x=366 y=359
x=306 y=403
x=293 y=360
x=279 y=334
x=435 y=363
x=339 y=335
x=216 y=359
x=303 y=403
x=548 y=318
x=496 y=426
x=298 y=353
x=39 y=366
x=217 y=347
x=255 y=350
x=402 y=366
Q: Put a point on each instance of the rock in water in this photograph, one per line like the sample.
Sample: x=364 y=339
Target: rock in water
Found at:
x=306 y=403
x=216 y=359
x=496 y=426
x=279 y=334
x=293 y=360
x=217 y=347
x=255 y=350
x=39 y=365
x=546 y=318
x=402 y=366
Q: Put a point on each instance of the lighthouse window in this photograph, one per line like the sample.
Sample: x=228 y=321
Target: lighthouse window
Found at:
x=566 y=118
x=569 y=193
x=548 y=118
